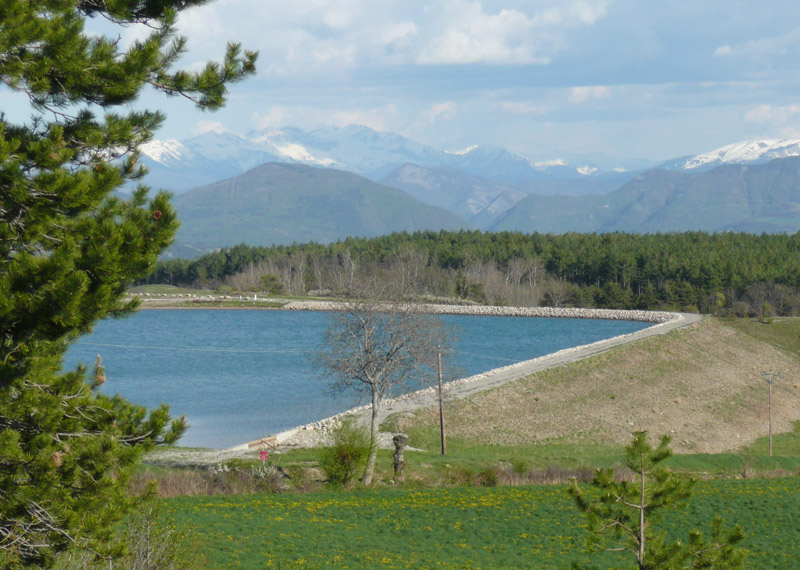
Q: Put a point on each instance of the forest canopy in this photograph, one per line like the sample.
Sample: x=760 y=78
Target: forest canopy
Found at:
x=733 y=273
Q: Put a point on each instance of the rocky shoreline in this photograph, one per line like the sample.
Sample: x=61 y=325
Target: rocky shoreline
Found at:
x=493 y=311
x=314 y=433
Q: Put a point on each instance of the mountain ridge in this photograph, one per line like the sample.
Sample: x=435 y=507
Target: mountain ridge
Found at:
x=279 y=204
x=761 y=197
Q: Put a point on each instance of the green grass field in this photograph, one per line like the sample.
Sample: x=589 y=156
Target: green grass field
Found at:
x=464 y=527
x=783 y=333
x=466 y=455
x=442 y=518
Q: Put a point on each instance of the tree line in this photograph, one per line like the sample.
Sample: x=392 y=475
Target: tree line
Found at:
x=723 y=273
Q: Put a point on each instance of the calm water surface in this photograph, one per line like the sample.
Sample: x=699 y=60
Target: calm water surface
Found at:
x=239 y=375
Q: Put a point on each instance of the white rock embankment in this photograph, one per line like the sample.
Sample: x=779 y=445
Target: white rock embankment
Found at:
x=313 y=433
x=551 y=312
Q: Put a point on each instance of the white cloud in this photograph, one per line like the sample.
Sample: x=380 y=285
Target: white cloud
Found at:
x=339 y=17
x=583 y=94
x=381 y=118
x=522 y=108
x=308 y=37
x=775 y=121
x=723 y=51
x=789 y=133
x=203 y=127
x=396 y=33
x=479 y=37
x=771 y=114
x=326 y=55
x=440 y=111
x=378 y=119
x=768 y=47
x=275 y=117
x=509 y=36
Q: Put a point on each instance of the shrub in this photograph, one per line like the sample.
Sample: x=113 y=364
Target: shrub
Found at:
x=489 y=477
x=520 y=466
x=271 y=284
x=348 y=447
x=152 y=541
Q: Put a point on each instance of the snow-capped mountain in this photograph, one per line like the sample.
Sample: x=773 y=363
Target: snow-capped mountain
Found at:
x=180 y=165
x=492 y=163
x=353 y=148
x=212 y=156
x=746 y=152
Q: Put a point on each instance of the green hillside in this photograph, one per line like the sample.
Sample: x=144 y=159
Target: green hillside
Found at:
x=763 y=198
x=286 y=203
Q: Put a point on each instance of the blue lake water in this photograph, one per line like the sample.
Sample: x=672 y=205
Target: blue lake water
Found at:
x=240 y=375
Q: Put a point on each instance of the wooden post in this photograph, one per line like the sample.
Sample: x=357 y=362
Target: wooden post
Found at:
x=400 y=441
x=770 y=378
x=441 y=406
x=770 y=419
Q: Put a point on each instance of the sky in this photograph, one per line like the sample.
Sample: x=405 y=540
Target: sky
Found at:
x=630 y=79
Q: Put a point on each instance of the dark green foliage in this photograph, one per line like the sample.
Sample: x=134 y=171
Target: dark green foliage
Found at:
x=67 y=252
x=621 y=519
x=345 y=453
x=271 y=284
x=725 y=273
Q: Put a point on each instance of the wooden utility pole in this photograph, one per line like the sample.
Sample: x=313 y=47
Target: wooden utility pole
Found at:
x=441 y=404
x=770 y=378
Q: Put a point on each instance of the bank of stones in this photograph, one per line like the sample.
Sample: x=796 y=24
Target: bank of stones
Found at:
x=314 y=433
x=551 y=312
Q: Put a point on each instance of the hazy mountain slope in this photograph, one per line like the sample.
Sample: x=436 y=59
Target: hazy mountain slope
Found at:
x=494 y=163
x=462 y=194
x=552 y=214
x=577 y=186
x=756 y=198
x=493 y=211
x=283 y=203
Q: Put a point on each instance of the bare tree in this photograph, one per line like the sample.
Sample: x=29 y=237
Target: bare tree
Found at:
x=556 y=292
x=318 y=266
x=377 y=348
x=346 y=269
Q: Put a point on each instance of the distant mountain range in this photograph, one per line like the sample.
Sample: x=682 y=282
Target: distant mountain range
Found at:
x=752 y=198
x=279 y=186
x=748 y=152
x=468 y=196
x=210 y=157
x=284 y=203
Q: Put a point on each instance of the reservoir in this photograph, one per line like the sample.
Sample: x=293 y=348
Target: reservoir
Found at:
x=239 y=375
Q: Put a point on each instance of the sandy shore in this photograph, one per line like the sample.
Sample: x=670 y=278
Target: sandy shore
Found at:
x=312 y=434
